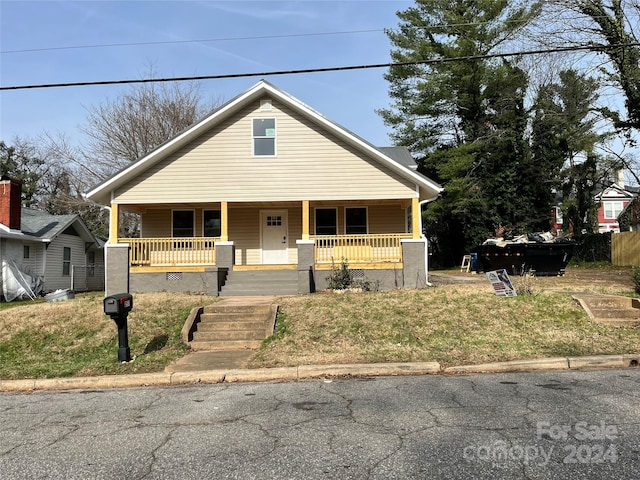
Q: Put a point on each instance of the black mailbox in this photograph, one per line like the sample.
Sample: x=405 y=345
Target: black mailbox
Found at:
x=118 y=307
x=118 y=304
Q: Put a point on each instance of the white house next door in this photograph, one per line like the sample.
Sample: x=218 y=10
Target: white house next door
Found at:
x=274 y=237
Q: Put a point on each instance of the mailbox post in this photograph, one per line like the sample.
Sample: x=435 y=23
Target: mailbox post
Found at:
x=118 y=307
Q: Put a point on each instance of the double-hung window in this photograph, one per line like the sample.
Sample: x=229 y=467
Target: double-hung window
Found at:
x=612 y=209
x=183 y=223
x=66 y=261
x=326 y=221
x=355 y=220
x=264 y=137
x=212 y=222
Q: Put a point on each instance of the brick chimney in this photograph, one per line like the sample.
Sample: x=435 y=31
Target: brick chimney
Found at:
x=10 y=202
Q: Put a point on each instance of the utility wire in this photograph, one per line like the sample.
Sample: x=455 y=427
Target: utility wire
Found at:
x=230 y=39
x=204 y=40
x=327 y=69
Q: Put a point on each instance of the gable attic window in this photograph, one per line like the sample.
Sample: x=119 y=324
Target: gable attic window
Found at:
x=264 y=137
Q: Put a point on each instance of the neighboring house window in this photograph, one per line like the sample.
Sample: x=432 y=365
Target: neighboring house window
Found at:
x=66 y=262
x=212 y=222
x=326 y=221
x=612 y=209
x=264 y=137
x=183 y=224
x=26 y=251
x=355 y=220
x=91 y=263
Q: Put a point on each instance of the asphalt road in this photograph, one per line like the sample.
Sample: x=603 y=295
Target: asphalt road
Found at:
x=561 y=425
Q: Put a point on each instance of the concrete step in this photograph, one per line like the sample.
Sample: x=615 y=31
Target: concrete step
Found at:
x=613 y=311
x=226 y=335
x=616 y=313
x=237 y=309
x=222 y=326
x=232 y=327
x=261 y=282
x=619 y=322
x=233 y=317
x=226 y=345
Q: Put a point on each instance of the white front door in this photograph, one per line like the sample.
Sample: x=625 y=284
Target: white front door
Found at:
x=274 y=237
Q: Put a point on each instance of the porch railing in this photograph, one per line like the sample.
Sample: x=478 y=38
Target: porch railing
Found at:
x=171 y=251
x=359 y=248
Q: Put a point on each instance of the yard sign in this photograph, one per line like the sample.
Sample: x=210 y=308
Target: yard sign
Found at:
x=501 y=283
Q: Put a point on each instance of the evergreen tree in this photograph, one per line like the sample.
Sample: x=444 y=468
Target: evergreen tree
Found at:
x=563 y=141
x=23 y=162
x=464 y=120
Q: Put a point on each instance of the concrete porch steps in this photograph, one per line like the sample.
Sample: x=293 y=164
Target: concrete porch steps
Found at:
x=260 y=282
x=233 y=327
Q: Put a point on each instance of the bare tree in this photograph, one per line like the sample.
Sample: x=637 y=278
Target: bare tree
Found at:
x=123 y=129
x=609 y=28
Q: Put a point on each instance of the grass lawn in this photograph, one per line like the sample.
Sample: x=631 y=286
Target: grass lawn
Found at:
x=75 y=338
x=453 y=324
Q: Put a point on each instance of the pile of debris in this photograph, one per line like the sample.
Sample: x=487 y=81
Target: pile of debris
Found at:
x=540 y=237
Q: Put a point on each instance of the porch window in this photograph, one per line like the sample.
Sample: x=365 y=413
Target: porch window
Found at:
x=326 y=221
x=183 y=224
x=612 y=209
x=355 y=220
x=264 y=137
x=26 y=251
x=66 y=261
x=212 y=222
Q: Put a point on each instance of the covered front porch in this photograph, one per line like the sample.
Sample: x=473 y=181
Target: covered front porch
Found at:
x=205 y=242
x=363 y=233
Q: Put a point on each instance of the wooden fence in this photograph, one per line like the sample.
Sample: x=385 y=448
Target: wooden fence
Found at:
x=625 y=249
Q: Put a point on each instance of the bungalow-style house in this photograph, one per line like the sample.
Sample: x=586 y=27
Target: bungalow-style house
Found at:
x=265 y=195
x=58 y=249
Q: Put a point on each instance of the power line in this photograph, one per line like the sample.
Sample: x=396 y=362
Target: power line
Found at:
x=204 y=40
x=327 y=69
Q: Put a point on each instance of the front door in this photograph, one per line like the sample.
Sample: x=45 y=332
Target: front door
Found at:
x=274 y=237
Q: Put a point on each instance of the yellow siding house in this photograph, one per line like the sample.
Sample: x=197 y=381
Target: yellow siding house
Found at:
x=266 y=184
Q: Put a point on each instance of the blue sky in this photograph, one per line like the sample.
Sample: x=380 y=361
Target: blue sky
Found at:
x=349 y=98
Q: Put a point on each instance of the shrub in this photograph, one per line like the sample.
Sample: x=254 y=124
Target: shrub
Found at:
x=636 y=278
x=340 y=277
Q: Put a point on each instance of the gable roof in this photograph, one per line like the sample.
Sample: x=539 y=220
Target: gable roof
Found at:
x=40 y=226
x=389 y=158
x=621 y=192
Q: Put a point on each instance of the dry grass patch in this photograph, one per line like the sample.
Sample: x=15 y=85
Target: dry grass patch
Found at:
x=451 y=324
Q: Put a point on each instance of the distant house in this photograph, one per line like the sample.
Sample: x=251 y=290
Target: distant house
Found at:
x=266 y=190
x=59 y=249
x=612 y=201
